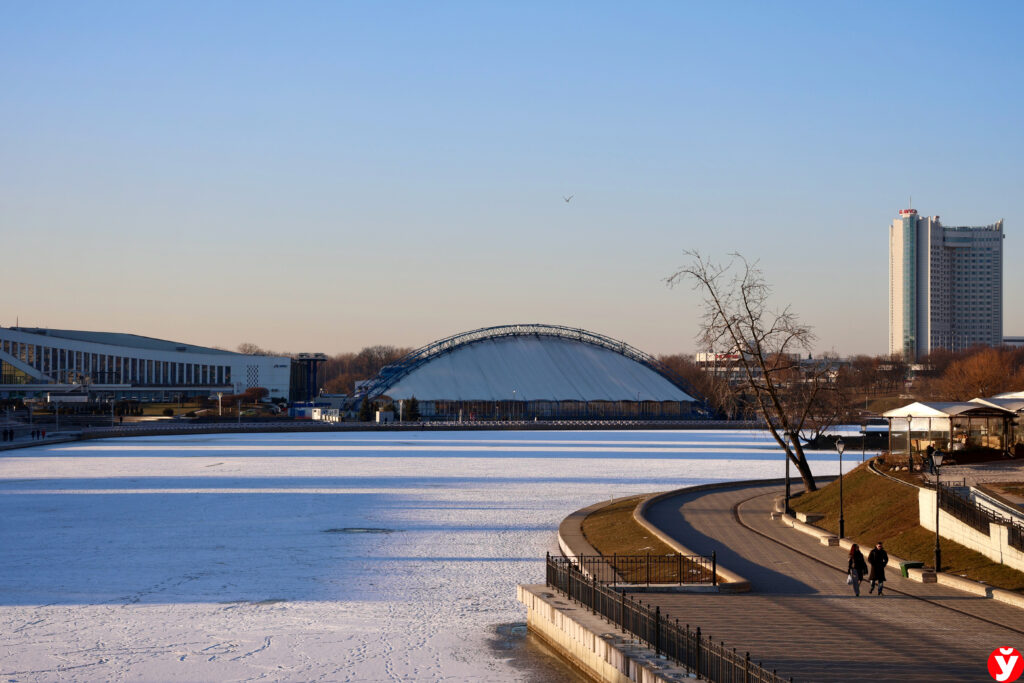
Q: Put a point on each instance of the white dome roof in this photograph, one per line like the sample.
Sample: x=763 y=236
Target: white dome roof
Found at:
x=534 y=368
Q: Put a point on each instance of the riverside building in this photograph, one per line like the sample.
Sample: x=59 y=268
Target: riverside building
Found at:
x=945 y=285
x=67 y=364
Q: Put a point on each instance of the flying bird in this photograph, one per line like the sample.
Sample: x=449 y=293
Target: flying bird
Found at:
x=569 y=198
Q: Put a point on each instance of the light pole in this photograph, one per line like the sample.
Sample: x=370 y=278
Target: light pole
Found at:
x=840 y=447
x=910 y=454
x=937 y=463
x=863 y=440
x=791 y=437
x=220 y=407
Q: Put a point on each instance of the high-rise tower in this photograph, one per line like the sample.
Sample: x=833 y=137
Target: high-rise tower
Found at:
x=945 y=285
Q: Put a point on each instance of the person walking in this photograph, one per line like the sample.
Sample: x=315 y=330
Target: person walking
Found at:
x=856 y=569
x=877 y=559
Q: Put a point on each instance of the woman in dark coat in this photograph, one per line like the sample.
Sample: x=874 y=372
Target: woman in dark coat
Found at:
x=877 y=559
x=857 y=568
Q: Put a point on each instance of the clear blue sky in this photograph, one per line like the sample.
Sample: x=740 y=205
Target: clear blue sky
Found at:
x=323 y=176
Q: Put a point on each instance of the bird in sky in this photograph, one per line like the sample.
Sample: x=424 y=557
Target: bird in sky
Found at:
x=569 y=198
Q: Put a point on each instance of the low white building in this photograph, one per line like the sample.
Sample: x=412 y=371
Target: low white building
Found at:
x=326 y=415
x=107 y=365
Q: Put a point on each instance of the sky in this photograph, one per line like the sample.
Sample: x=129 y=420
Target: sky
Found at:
x=324 y=176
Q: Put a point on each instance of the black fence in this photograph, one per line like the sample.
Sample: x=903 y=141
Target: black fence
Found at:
x=687 y=647
x=1016 y=536
x=978 y=517
x=649 y=569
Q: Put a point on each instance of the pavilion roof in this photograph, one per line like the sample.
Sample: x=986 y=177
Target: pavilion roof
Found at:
x=947 y=410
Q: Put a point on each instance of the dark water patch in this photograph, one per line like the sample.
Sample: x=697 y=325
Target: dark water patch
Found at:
x=529 y=654
x=359 y=530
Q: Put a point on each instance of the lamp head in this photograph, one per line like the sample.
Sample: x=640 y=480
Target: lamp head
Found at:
x=840 y=446
x=937 y=456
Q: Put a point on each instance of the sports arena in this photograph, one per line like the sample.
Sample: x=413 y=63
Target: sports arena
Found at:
x=534 y=371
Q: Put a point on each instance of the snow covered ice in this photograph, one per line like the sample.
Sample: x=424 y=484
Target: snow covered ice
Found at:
x=343 y=557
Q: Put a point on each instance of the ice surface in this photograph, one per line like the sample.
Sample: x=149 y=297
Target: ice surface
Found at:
x=349 y=557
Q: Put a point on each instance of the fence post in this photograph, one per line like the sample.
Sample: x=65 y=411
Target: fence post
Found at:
x=593 y=593
x=657 y=630
x=648 y=569
x=714 y=568
x=622 y=609
x=746 y=669
x=700 y=646
x=679 y=557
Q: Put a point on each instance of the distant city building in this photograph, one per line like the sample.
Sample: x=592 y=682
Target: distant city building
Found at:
x=101 y=366
x=945 y=285
x=1015 y=342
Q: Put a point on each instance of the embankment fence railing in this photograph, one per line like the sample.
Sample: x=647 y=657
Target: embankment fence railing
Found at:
x=648 y=570
x=666 y=636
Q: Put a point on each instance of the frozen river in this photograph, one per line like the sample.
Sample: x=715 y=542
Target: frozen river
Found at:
x=338 y=557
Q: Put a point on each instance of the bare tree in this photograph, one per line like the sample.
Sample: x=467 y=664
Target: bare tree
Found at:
x=712 y=386
x=985 y=372
x=250 y=349
x=769 y=344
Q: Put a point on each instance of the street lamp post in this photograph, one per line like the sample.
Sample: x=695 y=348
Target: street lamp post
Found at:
x=220 y=410
x=840 y=447
x=910 y=454
x=936 y=464
x=863 y=440
x=791 y=436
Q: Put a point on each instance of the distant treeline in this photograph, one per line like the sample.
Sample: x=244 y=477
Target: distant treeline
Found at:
x=878 y=383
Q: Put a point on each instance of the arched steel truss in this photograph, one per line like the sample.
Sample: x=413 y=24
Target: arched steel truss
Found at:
x=391 y=374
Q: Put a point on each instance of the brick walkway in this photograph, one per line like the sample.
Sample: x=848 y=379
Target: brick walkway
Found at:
x=802 y=619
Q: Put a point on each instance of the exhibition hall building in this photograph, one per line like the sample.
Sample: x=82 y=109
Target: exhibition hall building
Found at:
x=102 y=366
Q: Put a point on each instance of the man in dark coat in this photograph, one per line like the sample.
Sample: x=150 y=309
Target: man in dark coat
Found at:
x=877 y=559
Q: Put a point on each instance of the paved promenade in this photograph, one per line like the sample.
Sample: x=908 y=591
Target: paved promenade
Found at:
x=801 y=618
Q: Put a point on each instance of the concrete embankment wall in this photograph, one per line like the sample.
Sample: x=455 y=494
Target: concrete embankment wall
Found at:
x=598 y=648
x=994 y=545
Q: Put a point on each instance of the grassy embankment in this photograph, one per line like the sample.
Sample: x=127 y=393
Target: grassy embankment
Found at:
x=876 y=509
x=613 y=531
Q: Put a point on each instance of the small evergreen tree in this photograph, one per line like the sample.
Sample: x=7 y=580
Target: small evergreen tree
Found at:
x=412 y=410
x=366 y=410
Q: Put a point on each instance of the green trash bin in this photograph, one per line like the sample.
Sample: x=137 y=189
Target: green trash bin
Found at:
x=904 y=566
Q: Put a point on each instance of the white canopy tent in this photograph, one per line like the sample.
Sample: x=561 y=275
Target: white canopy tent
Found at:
x=953 y=426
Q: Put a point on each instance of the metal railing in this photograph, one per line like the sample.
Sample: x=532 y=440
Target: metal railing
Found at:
x=978 y=517
x=648 y=569
x=1016 y=536
x=687 y=647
